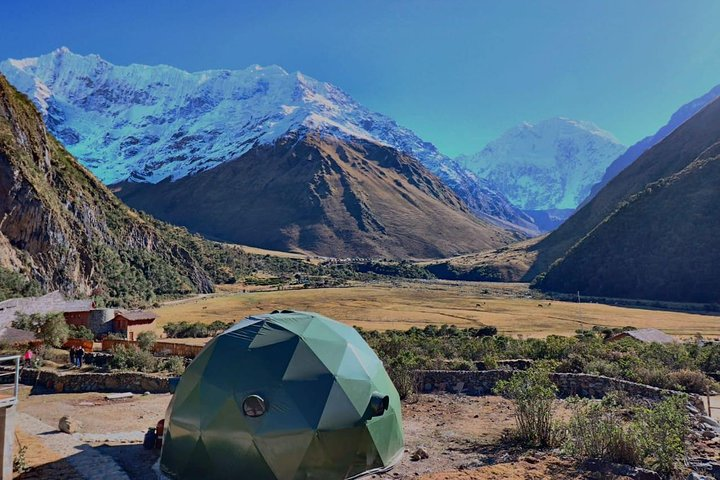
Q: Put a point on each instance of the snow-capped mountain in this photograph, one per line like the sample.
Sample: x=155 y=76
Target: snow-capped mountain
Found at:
x=151 y=123
x=552 y=164
x=632 y=153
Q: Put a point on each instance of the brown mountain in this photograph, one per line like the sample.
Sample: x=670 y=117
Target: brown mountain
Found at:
x=319 y=194
x=60 y=228
x=652 y=232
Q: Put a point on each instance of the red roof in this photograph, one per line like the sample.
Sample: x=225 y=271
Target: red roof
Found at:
x=137 y=315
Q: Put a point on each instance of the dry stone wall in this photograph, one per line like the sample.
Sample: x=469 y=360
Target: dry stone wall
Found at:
x=135 y=382
x=580 y=384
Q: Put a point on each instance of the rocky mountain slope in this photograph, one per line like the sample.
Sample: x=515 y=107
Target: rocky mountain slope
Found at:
x=548 y=165
x=633 y=152
x=61 y=228
x=652 y=232
x=317 y=193
x=148 y=124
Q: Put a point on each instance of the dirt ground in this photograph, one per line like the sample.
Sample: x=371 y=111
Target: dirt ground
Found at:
x=400 y=305
x=461 y=434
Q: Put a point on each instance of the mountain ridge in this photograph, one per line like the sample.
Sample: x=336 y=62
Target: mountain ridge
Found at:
x=159 y=122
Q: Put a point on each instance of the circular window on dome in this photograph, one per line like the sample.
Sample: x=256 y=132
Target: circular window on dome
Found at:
x=254 y=406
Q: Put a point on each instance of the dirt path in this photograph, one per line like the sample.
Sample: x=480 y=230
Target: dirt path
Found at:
x=88 y=463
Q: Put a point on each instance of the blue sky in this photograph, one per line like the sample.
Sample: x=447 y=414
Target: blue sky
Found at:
x=459 y=73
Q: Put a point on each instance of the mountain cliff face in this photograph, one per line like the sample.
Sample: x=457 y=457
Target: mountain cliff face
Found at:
x=149 y=124
x=550 y=165
x=61 y=228
x=632 y=153
x=652 y=231
x=321 y=194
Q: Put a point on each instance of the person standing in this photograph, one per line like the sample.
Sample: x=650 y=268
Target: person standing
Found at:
x=80 y=356
x=28 y=357
x=72 y=355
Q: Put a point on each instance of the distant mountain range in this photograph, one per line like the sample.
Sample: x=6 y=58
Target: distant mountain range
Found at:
x=550 y=165
x=153 y=125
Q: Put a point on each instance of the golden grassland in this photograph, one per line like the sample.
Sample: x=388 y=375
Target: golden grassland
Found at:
x=403 y=305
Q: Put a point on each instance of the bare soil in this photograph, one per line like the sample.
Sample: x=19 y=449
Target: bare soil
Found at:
x=461 y=434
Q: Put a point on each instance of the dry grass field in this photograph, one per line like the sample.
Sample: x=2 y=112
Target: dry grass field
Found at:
x=406 y=304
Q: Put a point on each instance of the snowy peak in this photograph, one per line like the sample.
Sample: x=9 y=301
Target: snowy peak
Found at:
x=159 y=122
x=548 y=165
x=146 y=124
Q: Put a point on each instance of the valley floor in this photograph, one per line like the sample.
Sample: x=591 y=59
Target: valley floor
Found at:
x=511 y=307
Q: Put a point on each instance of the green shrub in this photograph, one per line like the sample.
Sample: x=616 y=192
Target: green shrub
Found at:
x=146 y=340
x=132 y=358
x=54 y=331
x=533 y=394
x=174 y=365
x=81 y=332
x=597 y=430
x=663 y=429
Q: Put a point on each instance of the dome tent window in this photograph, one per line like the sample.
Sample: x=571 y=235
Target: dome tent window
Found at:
x=325 y=404
x=254 y=406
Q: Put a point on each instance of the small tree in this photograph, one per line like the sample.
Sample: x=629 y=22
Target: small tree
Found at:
x=146 y=340
x=533 y=393
x=55 y=331
x=82 y=332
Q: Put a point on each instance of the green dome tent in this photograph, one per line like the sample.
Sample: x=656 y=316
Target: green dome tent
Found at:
x=285 y=396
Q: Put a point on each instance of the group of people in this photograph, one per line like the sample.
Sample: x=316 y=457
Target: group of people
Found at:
x=77 y=354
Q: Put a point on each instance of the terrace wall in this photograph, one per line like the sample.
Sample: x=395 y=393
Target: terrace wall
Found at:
x=580 y=384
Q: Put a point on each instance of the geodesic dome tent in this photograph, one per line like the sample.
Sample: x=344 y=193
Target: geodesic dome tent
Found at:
x=284 y=396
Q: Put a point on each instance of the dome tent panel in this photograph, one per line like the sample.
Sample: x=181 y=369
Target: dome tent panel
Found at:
x=313 y=381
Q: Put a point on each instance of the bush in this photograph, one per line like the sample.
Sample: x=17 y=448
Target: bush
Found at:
x=596 y=430
x=55 y=331
x=691 y=381
x=533 y=393
x=81 y=332
x=663 y=429
x=146 y=340
x=190 y=330
x=174 y=365
x=132 y=358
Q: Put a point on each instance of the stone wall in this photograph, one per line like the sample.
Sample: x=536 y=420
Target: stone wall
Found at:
x=580 y=384
x=135 y=382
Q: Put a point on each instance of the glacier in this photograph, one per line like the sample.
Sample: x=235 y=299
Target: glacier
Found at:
x=549 y=165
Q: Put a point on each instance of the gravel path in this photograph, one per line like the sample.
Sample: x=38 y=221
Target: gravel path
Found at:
x=86 y=460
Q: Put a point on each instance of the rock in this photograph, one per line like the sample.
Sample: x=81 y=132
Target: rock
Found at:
x=68 y=425
x=709 y=421
x=146 y=393
x=419 y=454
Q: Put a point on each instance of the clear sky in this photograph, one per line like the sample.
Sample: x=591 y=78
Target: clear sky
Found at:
x=459 y=73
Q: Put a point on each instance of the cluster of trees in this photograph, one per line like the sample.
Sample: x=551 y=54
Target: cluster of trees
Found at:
x=195 y=330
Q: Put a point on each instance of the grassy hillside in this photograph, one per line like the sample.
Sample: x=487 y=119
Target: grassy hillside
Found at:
x=324 y=195
x=665 y=159
x=660 y=244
